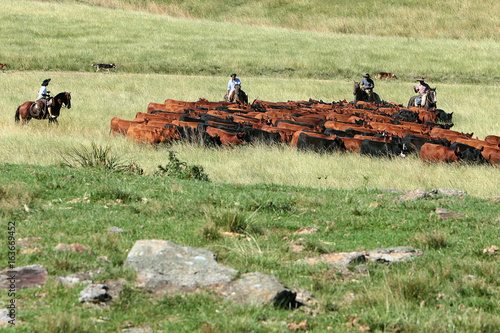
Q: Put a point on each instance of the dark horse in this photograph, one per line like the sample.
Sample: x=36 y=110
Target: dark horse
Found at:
x=35 y=110
x=430 y=100
x=360 y=95
x=239 y=95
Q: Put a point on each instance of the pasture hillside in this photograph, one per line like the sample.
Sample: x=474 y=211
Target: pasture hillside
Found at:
x=466 y=19
x=75 y=36
x=275 y=64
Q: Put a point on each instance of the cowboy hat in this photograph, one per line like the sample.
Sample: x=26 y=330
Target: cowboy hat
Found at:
x=366 y=75
x=233 y=74
x=45 y=82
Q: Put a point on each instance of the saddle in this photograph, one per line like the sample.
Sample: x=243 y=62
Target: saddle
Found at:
x=40 y=107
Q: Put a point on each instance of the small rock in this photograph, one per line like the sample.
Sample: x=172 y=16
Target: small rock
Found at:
x=76 y=247
x=491 y=250
x=295 y=327
x=444 y=191
x=259 y=289
x=393 y=254
x=77 y=278
x=4 y=317
x=446 y=214
x=306 y=231
x=115 y=230
x=25 y=277
x=28 y=241
x=94 y=293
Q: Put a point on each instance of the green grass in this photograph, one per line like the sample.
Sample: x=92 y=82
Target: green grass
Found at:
x=76 y=35
x=467 y=19
x=405 y=295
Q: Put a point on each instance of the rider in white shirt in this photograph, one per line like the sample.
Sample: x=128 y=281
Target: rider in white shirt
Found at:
x=43 y=94
x=230 y=86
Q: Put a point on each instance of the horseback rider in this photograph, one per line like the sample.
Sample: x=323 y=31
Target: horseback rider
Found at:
x=422 y=90
x=44 y=97
x=230 y=86
x=367 y=86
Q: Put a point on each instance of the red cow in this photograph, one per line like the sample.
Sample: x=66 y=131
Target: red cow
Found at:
x=352 y=144
x=121 y=126
x=431 y=152
x=152 y=135
x=493 y=139
x=492 y=155
x=226 y=138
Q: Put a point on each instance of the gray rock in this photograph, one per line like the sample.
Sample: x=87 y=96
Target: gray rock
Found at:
x=77 y=278
x=115 y=230
x=259 y=289
x=444 y=191
x=24 y=277
x=393 y=254
x=94 y=293
x=446 y=214
x=4 y=317
x=163 y=266
x=341 y=258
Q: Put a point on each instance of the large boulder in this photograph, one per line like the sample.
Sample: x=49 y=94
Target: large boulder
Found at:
x=163 y=266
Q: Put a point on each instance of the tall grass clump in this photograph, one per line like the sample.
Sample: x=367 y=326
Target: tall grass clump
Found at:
x=97 y=157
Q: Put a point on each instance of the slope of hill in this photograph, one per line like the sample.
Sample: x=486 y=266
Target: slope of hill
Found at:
x=466 y=19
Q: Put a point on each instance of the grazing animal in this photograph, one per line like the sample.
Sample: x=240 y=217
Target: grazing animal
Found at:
x=121 y=126
x=107 y=67
x=226 y=138
x=492 y=155
x=493 y=139
x=383 y=75
x=382 y=149
x=32 y=110
x=320 y=143
x=430 y=152
x=2 y=66
x=469 y=153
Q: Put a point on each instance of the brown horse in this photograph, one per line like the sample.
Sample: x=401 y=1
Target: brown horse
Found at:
x=35 y=110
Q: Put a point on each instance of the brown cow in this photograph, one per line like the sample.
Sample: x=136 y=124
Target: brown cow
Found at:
x=352 y=144
x=430 y=152
x=295 y=136
x=152 y=135
x=121 y=126
x=345 y=126
x=226 y=138
x=492 y=155
x=476 y=143
x=493 y=139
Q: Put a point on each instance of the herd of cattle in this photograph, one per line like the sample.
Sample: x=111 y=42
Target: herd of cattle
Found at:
x=386 y=129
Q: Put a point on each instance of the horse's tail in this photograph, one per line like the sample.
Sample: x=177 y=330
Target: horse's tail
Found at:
x=17 y=118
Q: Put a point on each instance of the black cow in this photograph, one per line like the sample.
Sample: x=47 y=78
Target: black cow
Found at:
x=257 y=135
x=406 y=115
x=443 y=116
x=345 y=134
x=382 y=149
x=193 y=135
x=414 y=143
x=320 y=145
x=469 y=154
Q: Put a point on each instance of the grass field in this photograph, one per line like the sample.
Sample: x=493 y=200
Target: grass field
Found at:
x=286 y=50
